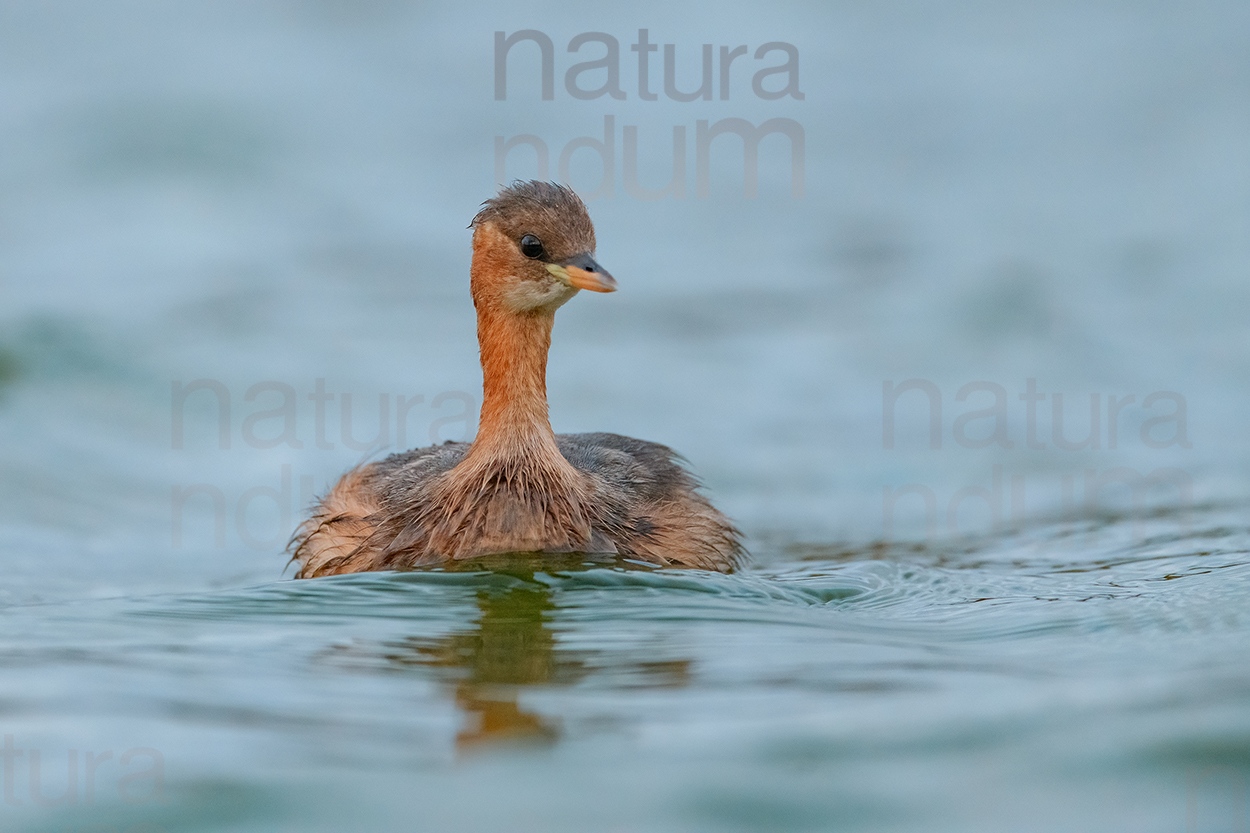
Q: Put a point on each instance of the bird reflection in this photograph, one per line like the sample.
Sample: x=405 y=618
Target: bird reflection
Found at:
x=511 y=646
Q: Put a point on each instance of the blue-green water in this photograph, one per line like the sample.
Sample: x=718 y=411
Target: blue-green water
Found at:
x=976 y=397
x=1057 y=679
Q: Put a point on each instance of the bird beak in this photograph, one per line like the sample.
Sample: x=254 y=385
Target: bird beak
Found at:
x=581 y=272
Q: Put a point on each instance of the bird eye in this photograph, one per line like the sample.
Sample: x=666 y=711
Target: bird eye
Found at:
x=531 y=246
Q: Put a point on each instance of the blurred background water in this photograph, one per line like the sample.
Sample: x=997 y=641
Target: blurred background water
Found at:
x=976 y=395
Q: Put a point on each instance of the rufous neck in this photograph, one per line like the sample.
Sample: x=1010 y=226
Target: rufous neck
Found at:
x=514 y=348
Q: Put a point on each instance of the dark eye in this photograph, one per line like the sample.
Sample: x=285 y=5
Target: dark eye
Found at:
x=531 y=246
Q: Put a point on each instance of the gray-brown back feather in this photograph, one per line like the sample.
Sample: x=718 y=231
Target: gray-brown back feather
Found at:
x=643 y=504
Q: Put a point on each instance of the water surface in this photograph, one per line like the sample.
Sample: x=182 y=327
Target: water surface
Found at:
x=233 y=264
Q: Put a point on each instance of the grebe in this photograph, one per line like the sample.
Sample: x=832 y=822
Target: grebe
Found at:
x=519 y=487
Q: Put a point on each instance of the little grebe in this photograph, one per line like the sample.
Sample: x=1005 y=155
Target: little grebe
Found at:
x=519 y=487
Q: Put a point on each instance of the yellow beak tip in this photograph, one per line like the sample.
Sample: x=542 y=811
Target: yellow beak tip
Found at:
x=594 y=281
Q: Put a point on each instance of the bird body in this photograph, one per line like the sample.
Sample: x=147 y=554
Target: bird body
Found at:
x=519 y=487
